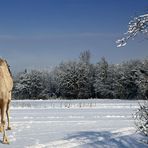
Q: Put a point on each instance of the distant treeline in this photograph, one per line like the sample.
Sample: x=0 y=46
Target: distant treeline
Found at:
x=81 y=80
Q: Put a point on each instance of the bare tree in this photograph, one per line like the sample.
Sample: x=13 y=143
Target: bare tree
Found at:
x=85 y=57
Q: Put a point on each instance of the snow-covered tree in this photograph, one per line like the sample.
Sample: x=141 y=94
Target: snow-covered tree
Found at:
x=104 y=80
x=141 y=118
x=49 y=85
x=67 y=78
x=85 y=75
x=31 y=85
x=138 y=25
x=22 y=86
x=36 y=85
x=129 y=78
x=74 y=79
x=83 y=81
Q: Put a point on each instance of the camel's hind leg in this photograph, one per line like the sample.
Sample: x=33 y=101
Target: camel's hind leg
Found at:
x=8 y=115
x=3 y=122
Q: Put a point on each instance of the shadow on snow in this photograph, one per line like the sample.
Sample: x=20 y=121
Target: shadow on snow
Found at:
x=106 y=139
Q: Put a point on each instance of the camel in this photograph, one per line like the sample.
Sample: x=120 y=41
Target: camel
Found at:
x=6 y=85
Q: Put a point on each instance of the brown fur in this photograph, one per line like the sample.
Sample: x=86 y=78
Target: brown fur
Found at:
x=6 y=85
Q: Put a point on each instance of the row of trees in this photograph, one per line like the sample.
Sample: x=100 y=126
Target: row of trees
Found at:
x=82 y=79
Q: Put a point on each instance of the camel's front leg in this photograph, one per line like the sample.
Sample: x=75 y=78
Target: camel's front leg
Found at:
x=8 y=116
x=3 y=122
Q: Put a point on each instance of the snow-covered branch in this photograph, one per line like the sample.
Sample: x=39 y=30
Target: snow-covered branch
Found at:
x=137 y=25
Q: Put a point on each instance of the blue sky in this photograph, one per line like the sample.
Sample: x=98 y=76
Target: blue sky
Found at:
x=43 y=33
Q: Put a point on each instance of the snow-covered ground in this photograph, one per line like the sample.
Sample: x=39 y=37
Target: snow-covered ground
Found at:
x=73 y=124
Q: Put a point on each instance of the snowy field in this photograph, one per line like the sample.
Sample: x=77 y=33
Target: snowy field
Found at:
x=73 y=124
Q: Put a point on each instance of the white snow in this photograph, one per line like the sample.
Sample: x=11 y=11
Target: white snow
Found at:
x=84 y=124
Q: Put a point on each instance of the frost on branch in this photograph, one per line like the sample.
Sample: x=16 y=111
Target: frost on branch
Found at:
x=137 y=25
x=141 y=119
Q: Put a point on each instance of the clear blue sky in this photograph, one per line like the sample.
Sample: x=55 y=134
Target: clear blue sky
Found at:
x=42 y=33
